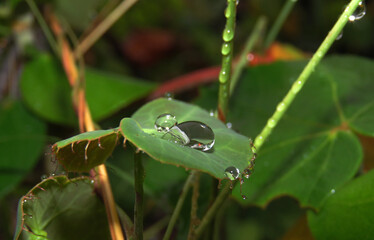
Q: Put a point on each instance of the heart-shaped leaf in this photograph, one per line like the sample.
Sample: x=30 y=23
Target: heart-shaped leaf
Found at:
x=85 y=151
x=230 y=148
x=347 y=213
x=62 y=208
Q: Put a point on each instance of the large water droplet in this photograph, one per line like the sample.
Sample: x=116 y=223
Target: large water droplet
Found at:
x=165 y=122
x=193 y=134
x=228 y=35
x=232 y=173
x=359 y=12
x=225 y=49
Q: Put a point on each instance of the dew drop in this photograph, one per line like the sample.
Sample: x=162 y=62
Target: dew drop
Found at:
x=165 y=122
x=332 y=191
x=211 y=113
x=92 y=181
x=228 y=35
x=225 y=49
x=247 y=173
x=223 y=77
x=193 y=134
x=232 y=173
x=43 y=177
x=52 y=174
x=244 y=197
x=359 y=12
x=169 y=96
x=296 y=87
x=339 y=36
x=237 y=2
x=24 y=201
x=229 y=125
x=271 y=123
x=228 y=12
x=280 y=106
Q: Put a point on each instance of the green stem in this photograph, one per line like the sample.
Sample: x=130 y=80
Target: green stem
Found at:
x=222 y=196
x=52 y=42
x=227 y=55
x=250 y=43
x=194 y=206
x=279 y=22
x=307 y=71
x=138 y=208
x=179 y=205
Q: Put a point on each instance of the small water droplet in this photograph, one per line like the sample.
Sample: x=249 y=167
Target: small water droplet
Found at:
x=229 y=125
x=359 y=12
x=225 y=49
x=332 y=191
x=193 y=134
x=280 y=106
x=237 y=2
x=232 y=173
x=228 y=35
x=227 y=12
x=247 y=173
x=244 y=197
x=211 y=113
x=24 y=201
x=43 y=177
x=92 y=181
x=296 y=87
x=52 y=174
x=169 y=96
x=165 y=122
x=271 y=123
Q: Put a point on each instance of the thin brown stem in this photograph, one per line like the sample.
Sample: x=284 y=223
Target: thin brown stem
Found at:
x=194 y=220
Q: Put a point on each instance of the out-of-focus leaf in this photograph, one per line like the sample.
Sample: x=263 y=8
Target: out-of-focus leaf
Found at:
x=85 y=151
x=59 y=208
x=46 y=91
x=348 y=213
x=230 y=148
x=22 y=138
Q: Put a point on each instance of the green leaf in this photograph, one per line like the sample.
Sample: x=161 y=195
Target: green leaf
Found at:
x=59 y=208
x=46 y=91
x=230 y=148
x=347 y=214
x=22 y=138
x=85 y=151
x=313 y=149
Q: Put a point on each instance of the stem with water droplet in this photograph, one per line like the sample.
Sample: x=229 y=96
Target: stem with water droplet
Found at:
x=307 y=71
x=179 y=205
x=139 y=196
x=287 y=7
x=227 y=55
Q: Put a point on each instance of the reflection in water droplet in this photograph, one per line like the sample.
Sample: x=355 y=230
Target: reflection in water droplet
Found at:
x=43 y=177
x=359 y=12
x=193 y=134
x=225 y=49
x=232 y=173
x=165 y=122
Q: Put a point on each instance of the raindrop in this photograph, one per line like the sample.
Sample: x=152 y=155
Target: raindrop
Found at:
x=332 y=191
x=359 y=12
x=247 y=173
x=223 y=77
x=169 y=96
x=165 y=122
x=271 y=123
x=24 y=201
x=280 y=106
x=228 y=12
x=296 y=87
x=193 y=134
x=228 y=35
x=211 y=113
x=244 y=197
x=43 y=177
x=52 y=174
x=232 y=173
x=92 y=181
x=225 y=49
x=229 y=125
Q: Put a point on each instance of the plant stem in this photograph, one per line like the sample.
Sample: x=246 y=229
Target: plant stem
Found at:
x=179 y=205
x=250 y=43
x=104 y=26
x=227 y=55
x=194 y=206
x=139 y=196
x=48 y=34
x=279 y=23
x=307 y=71
x=222 y=196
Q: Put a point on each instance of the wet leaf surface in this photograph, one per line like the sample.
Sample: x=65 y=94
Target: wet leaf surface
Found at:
x=22 y=138
x=59 y=208
x=230 y=148
x=347 y=214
